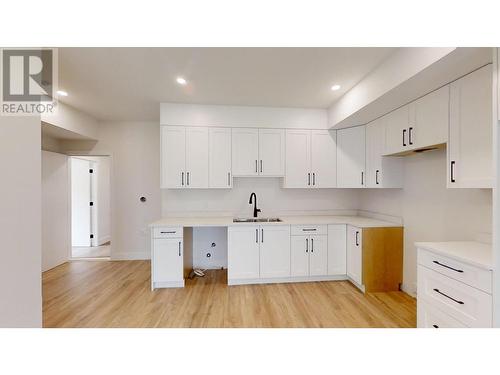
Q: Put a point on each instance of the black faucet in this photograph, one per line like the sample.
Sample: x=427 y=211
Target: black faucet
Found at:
x=255 y=209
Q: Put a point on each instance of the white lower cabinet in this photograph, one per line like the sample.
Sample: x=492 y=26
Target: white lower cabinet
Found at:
x=337 y=241
x=354 y=254
x=318 y=256
x=258 y=252
x=167 y=259
x=309 y=253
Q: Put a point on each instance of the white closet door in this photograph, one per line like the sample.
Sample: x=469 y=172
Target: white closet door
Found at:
x=219 y=151
x=298 y=159
x=80 y=202
x=245 y=152
x=173 y=156
x=324 y=158
x=470 y=149
x=197 y=157
x=351 y=157
x=271 y=152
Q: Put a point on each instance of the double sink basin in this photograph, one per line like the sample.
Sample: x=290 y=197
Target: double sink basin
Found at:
x=258 y=220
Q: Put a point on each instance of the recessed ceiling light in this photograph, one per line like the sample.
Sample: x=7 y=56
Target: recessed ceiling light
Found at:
x=181 y=81
x=335 y=87
x=62 y=93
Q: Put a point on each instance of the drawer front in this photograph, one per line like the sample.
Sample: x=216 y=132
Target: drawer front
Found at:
x=462 y=302
x=167 y=232
x=468 y=274
x=430 y=317
x=305 y=230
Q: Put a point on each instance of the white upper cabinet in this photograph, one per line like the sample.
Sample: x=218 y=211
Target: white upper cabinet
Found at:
x=420 y=124
x=381 y=171
x=351 y=157
x=258 y=152
x=311 y=159
x=429 y=118
x=245 y=152
x=470 y=149
x=324 y=158
x=219 y=164
x=298 y=159
x=196 y=157
x=173 y=156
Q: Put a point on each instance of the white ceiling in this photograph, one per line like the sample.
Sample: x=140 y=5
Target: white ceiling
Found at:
x=129 y=83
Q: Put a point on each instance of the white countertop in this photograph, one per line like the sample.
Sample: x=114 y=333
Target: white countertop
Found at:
x=226 y=221
x=475 y=253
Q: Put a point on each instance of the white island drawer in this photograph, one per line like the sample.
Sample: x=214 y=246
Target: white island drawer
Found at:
x=306 y=230
x=430 y=317
x=466 y=273
x=462 y=302
x=167 y=232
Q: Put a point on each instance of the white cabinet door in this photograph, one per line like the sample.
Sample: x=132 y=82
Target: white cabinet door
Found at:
x=298 y=159
x=429 y=118
x=173 y=156
x=470 y=149
x=196 y=157
x=245 y=151
x=272 y=152
x=299 y=256
x=397 y=124
x=323 y=158
x=337 y=242
x=351 y=157
x=168 y=260
x=354 y=254
x=243 y=252
x=318 y=255
x=219 y=151
x=274 y=251
x=381 y=171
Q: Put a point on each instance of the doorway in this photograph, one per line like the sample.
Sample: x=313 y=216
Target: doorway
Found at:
x=90 y=207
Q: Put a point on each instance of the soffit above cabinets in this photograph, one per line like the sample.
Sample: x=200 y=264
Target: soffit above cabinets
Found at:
x=452 y=66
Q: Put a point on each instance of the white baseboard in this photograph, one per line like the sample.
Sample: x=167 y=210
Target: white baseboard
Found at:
x=131 y=255
x=167 y=284
x=410 y=289
x=286 y=280
x=103 y=240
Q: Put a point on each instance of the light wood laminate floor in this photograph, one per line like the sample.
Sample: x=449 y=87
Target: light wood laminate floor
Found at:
x=117 y=294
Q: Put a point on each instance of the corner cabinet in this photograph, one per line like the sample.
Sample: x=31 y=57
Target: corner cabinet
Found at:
x=258 y=152
x=311 y=158
x=470 y=149
x=375 y=258
x=351 y=151
x=184 y=157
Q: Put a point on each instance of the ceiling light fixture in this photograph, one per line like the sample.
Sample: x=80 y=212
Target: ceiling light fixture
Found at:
x=62 y=93
x=335 y=87
x=181 y=81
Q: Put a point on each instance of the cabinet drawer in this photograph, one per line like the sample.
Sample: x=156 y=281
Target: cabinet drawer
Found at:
x=301 y=230
x=468 y=274
x=167 y=232
x=430 y=317
x=462 y=302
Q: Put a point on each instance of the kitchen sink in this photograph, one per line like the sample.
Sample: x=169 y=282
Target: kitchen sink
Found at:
x=258 y=220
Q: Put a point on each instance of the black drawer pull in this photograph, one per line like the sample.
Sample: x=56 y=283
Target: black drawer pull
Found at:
x=435 y=326
x=447 y=296
x=445 y=266
x=309 y=230
x=174 y=232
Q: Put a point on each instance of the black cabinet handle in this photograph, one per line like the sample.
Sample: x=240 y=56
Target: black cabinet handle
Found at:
x=447 y=296
x=409 y=136
x=182 y=178
x=187 y=178
x=228 y=178
x=444 y=265
x=179 y=248
x=312 y=245
x=171 y=232
x=404 y=137
x=452 y=171
x=314 y=178
x=307 y=245
x=262 y=235
x=309 y=230
x=308 y=179
x=357 y=238
x=256 y=236
x=260 y=165
x=256 y=170
x=435 y=326
x=362 y=178
x=376 y=177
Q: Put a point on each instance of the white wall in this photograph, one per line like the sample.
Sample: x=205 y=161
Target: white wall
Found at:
x=203 y=238
x=71 y=119
x=56 y=228
x=430 y=211
x=20 y=222
x=135 y=171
